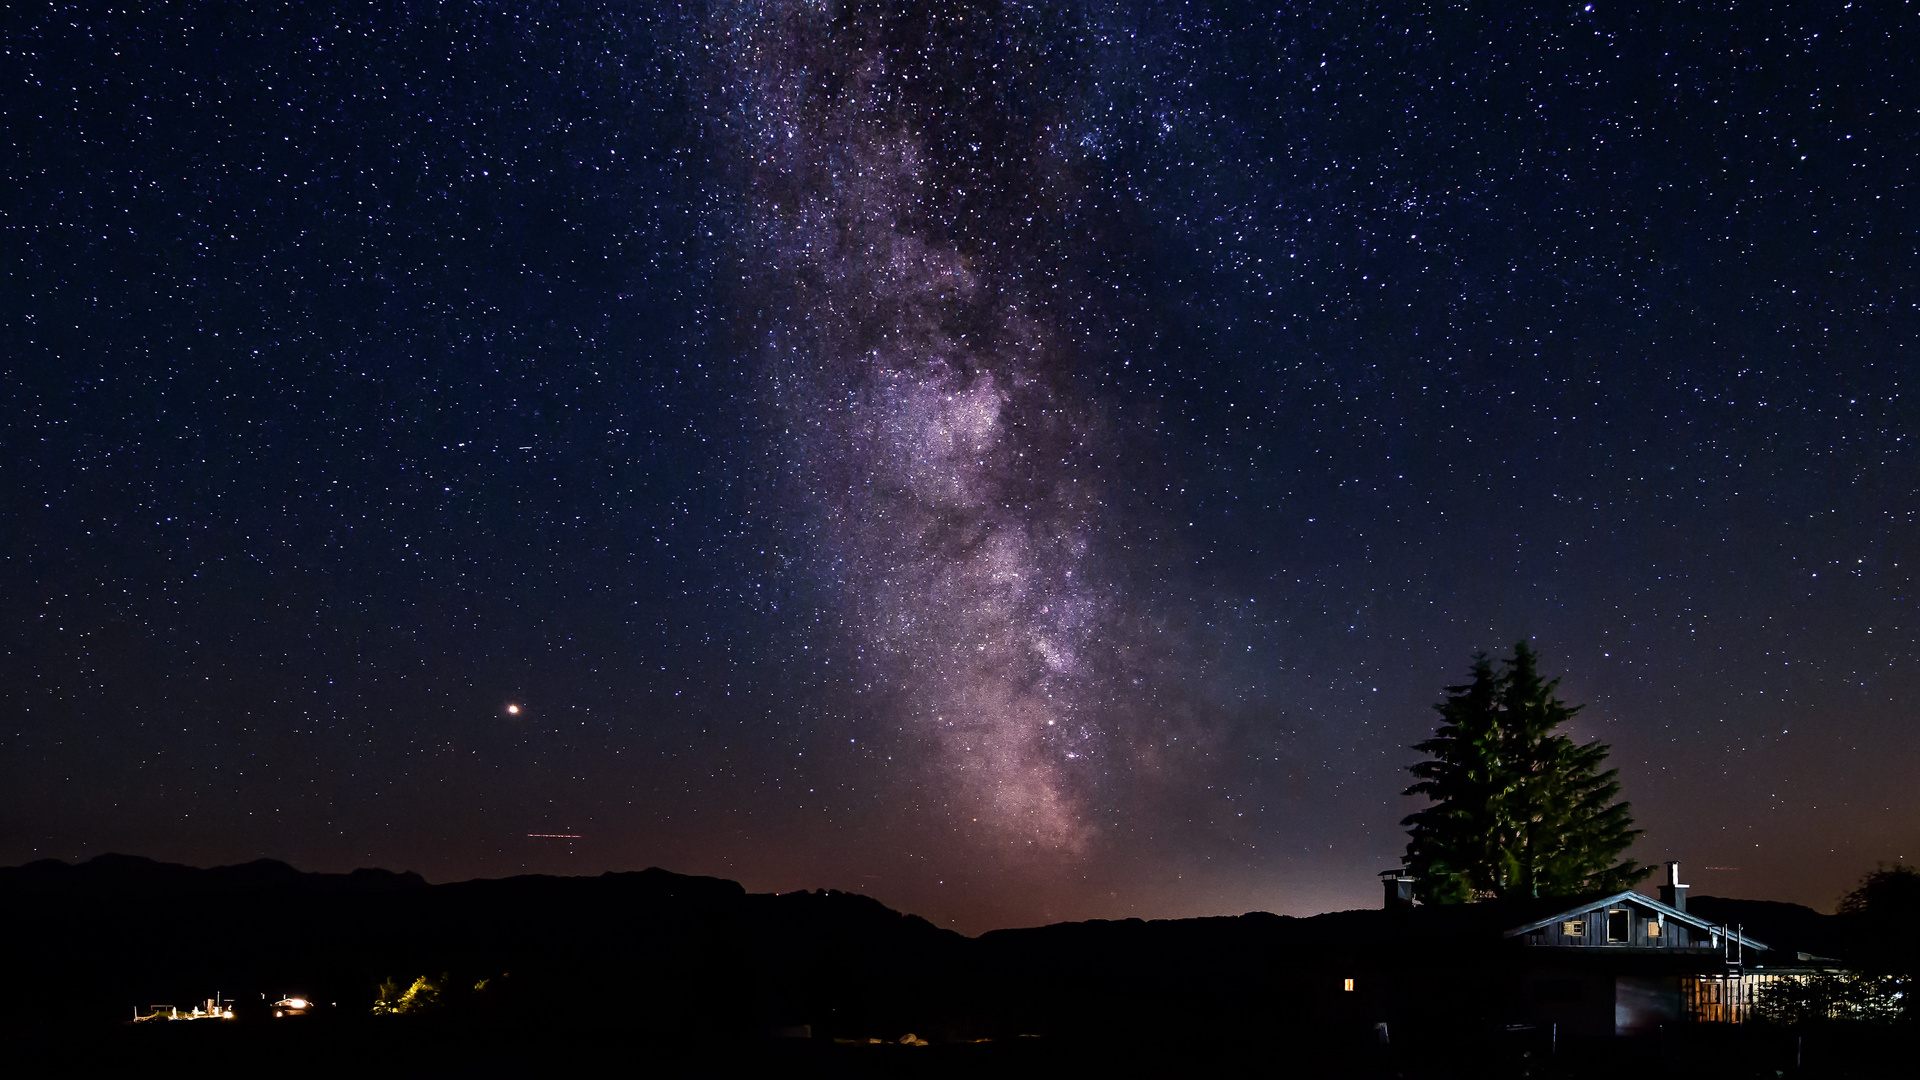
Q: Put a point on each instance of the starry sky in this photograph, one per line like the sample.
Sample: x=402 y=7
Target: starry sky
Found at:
x=1020 y=461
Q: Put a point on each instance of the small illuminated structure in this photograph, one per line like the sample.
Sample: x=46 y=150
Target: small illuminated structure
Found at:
x=292 y=1006
x=213 y=1008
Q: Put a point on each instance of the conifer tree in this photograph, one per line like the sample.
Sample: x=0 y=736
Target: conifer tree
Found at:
x=1518 y=809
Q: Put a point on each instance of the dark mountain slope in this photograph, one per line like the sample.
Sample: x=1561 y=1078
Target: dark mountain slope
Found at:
x=653 y=949
x=1787 y=927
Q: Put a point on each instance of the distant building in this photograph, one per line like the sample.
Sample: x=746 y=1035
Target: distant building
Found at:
x=1619 y=964
x=213 y=1008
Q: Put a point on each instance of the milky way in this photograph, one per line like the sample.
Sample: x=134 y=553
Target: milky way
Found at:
x=1024 y=461
x=925 y=408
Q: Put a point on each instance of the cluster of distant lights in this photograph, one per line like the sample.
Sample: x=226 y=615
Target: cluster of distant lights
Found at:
x=214 y=1009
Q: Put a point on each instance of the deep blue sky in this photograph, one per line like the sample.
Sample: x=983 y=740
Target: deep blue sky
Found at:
x=1023 y=465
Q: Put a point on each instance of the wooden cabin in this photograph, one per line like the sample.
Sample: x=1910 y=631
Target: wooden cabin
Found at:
x=1631 y=965
x=1595 y=966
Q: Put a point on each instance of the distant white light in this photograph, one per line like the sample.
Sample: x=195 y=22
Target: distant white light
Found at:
x=513 y=710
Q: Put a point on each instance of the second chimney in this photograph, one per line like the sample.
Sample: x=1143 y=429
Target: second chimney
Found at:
x=1673 y=894
x=1399 y=888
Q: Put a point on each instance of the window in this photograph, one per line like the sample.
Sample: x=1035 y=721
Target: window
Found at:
x=1619 y=925
x=1653 y=928
x=1346 y=984
x=1576 y=928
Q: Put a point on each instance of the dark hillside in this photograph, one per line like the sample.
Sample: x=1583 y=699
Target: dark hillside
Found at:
x=1787 y=927
x=678 y=968
x=656 y=949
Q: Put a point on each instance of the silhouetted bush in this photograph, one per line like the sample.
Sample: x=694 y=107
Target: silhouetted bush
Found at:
x=1830 y=996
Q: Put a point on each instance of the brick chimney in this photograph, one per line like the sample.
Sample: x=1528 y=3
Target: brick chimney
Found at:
x=1673 y=894
x=1398 y=885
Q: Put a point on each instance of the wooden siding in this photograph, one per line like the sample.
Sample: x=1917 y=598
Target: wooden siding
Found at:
x=1673 y=934
x=1725 y=999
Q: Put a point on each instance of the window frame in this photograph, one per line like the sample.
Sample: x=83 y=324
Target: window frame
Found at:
x=1621 y=916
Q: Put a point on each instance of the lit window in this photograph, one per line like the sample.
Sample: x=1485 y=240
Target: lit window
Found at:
x=1346 y=984
x=1574 y=928
x=1653 y=927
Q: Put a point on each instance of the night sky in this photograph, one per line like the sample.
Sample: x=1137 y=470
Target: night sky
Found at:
x=1022 y=462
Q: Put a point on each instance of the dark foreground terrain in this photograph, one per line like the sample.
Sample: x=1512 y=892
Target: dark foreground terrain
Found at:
x=669 y=975
x=414 y=1047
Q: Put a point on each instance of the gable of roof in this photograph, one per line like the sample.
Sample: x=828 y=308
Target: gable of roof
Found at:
x=1665 y=911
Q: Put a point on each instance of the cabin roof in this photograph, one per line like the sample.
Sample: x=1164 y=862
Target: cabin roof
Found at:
x=1666 y=911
